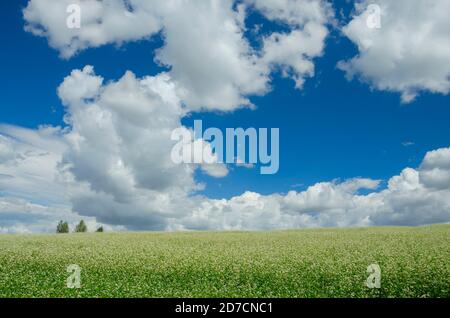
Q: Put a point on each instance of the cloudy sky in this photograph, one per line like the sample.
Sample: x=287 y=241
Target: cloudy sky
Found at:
x=87 y=114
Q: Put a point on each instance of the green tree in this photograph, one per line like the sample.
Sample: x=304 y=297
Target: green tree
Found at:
x=100 y=229
x=81 y=227
x=62 y=227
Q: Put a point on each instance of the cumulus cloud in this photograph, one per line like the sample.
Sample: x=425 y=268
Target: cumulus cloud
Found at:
x=294 y=12
x=113 y=156
x=103 y=22
x=435 y=169
x=209 y=57
x=119 y=149
x=409 y=53
x=34 y=195
x=293 y=52
x=23 y=217
x=405 y=201
x=120 y=200
x=211 y=62
x=28 y=158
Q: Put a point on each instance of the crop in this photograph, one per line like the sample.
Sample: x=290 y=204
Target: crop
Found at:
x=414 y=262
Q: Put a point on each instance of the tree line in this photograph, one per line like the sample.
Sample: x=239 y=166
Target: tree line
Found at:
x=63 y=227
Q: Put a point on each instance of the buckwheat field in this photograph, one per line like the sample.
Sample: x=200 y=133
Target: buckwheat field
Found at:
x=414 y=262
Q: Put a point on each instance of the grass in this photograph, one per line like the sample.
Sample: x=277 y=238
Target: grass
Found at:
x=305 y=263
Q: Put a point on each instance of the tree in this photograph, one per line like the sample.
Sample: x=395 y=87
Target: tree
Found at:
x=81 y=227
x=62 y=227
x=100 y=229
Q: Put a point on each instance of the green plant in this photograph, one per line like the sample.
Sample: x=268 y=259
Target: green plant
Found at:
x=62 y=227
x=81 y=227
x=285 y=264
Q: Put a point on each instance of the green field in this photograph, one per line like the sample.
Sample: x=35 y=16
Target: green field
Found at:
x=414 y=262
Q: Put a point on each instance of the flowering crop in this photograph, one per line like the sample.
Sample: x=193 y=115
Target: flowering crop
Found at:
x=414 y=262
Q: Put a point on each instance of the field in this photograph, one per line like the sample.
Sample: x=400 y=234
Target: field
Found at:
x=414 y=262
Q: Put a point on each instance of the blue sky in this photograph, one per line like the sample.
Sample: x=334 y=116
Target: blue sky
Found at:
x=330 y=129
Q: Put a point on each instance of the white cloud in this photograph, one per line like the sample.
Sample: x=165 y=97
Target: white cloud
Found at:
x=216 y=170
x=210 y=59
x=112 y=163
x=413 y=197
x=119 y=149
x=211 y=62
x=103 y=22
x=33 y=195
x=293 y=52
x=294 y=12
x=406 y=201
x=408 y=143
x=435 y=169
x=31 y=158
x=409 y=54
